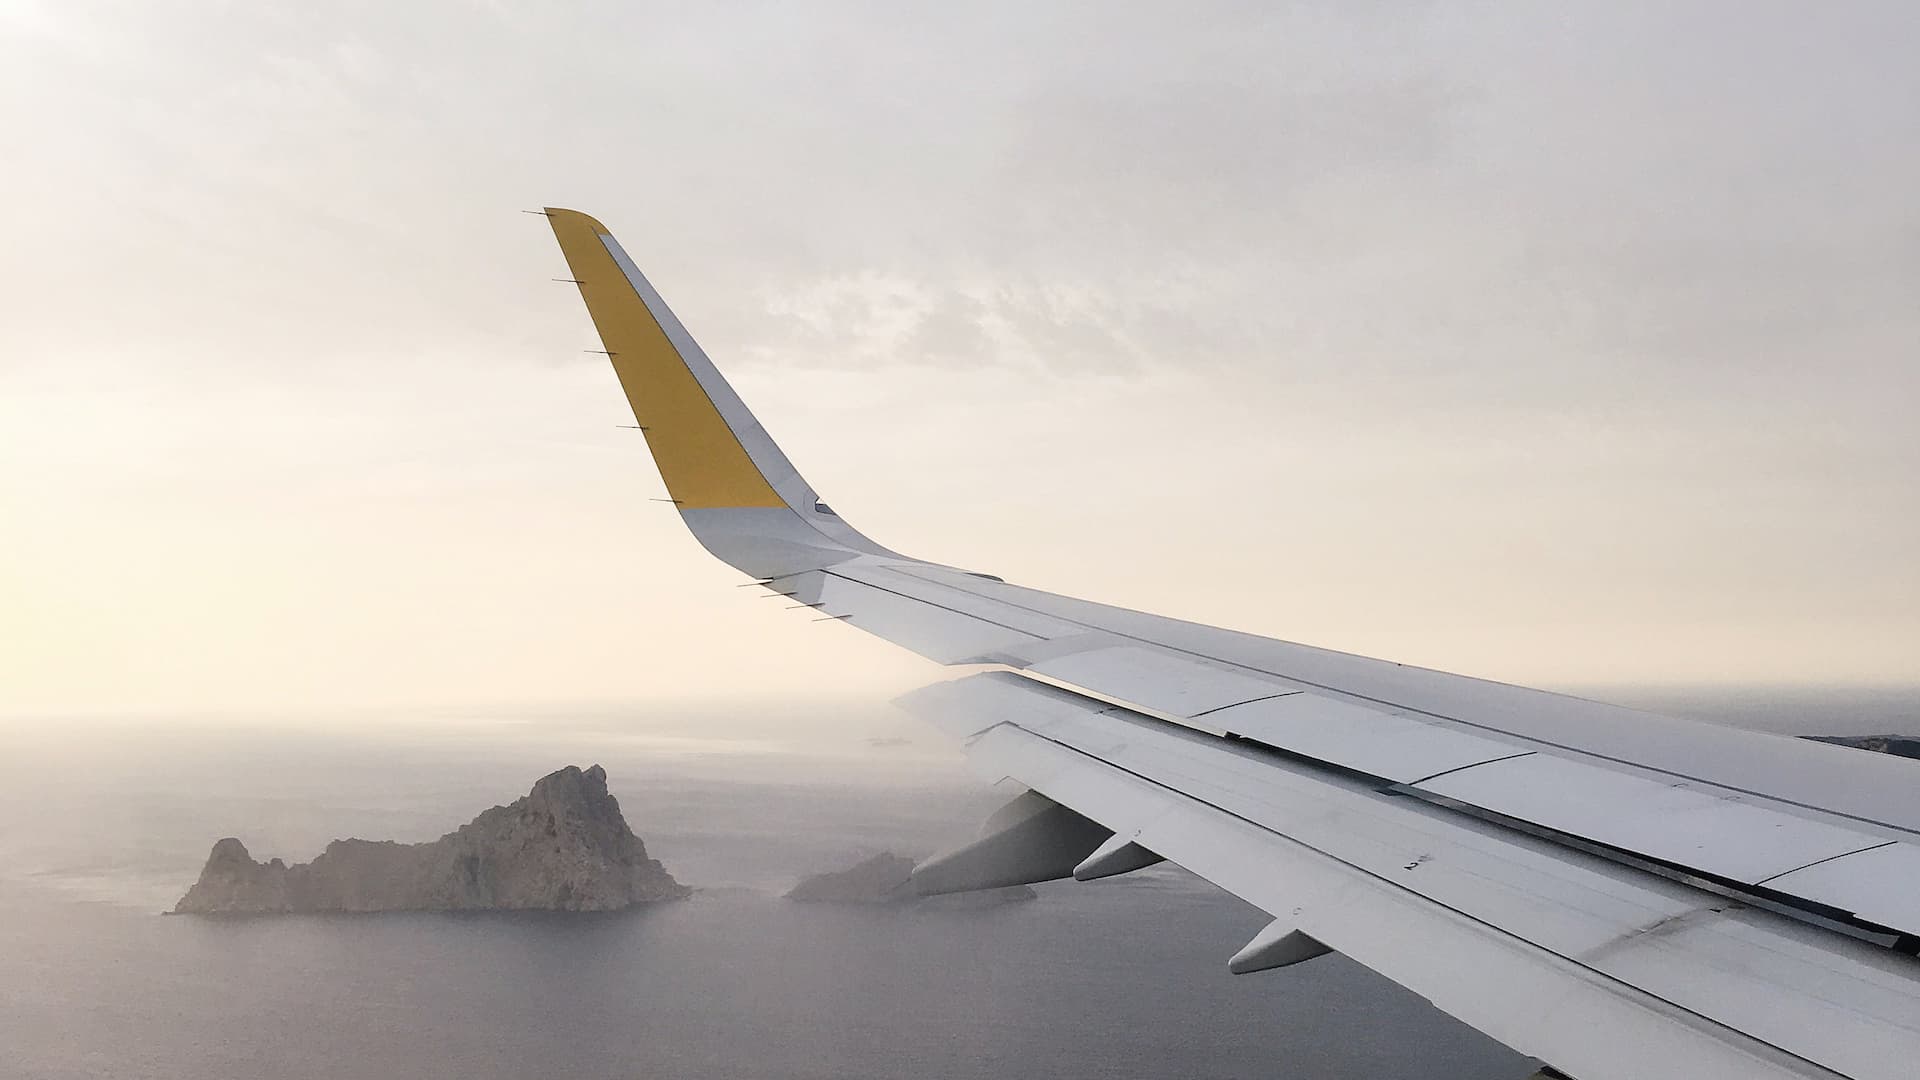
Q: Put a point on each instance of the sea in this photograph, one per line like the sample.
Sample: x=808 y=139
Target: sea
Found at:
x=105 y=821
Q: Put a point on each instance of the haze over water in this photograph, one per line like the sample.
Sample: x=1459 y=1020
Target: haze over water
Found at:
x=107 y=821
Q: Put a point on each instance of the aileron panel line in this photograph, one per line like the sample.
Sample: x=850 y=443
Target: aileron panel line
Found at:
x=1879 y=884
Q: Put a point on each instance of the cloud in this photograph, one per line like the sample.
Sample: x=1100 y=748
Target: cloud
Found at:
x=1430 y=316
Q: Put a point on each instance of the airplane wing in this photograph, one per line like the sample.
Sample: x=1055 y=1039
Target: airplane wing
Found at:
x=1615 y=893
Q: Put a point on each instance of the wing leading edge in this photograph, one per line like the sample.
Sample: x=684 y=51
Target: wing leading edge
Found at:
x=1618 y=893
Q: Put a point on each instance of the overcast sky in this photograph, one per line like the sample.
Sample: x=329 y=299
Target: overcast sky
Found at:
x=1565 y=344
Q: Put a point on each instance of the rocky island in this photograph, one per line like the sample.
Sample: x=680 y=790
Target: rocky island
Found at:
x=564 y=847
x=885 y=879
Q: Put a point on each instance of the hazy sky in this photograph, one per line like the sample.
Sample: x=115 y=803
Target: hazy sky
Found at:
x=1558 y=343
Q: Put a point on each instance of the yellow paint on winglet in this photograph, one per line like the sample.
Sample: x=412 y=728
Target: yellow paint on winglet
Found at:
x=702 y=462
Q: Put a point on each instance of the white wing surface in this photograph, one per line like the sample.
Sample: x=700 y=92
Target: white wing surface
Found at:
x=1619 y=894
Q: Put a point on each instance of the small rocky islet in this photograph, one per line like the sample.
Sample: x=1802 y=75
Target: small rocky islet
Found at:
x=1904 y=746
x=886 y=878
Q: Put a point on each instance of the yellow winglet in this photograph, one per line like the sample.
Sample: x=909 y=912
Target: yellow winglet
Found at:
x=699 y=456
